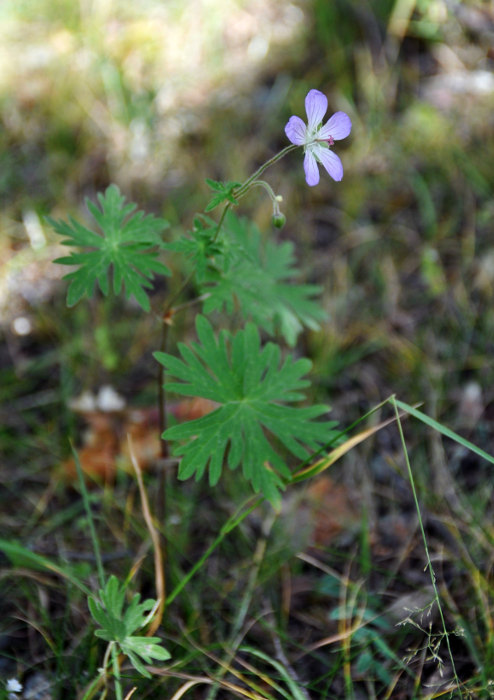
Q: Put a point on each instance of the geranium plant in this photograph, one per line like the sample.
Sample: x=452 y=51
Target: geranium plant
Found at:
x=260 y=424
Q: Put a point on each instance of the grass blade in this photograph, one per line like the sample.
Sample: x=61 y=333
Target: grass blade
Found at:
x=442 y=429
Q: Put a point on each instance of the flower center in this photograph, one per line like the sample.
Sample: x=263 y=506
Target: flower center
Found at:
x=328 y=142
x=311 y=138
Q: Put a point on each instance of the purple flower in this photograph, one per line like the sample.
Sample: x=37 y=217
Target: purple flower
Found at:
x=316 y=138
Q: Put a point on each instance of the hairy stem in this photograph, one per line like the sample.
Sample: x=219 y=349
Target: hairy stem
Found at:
x=246 y=186
x=251 y=182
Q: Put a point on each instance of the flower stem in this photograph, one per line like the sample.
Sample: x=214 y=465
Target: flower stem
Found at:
x=251 y=182
x=220 y=223
x=246 y=186
x=267 y=187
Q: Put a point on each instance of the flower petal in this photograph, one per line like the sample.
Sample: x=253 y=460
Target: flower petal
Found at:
x=330 y=161
x=316 y=105
x=339 y=126
x=296 y=130
x=311 y=169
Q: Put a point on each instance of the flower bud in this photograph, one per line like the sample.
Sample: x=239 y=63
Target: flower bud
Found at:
x=278 y=220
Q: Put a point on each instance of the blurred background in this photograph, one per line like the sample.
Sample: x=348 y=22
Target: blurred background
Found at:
x=156 y=96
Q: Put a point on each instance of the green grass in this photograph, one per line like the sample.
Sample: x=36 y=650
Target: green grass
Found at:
x=402 y=248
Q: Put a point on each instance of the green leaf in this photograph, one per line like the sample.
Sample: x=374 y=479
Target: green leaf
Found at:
x=252 y=386
x=199 y=246
x=260 y=276
x=136 y=613
x=145 y=647
x=223 y=193
x=113 y=596
x=118 y=624
x=109 y=613
x=124 y=246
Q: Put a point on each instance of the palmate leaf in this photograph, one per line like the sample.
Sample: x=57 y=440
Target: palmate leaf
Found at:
x=148 y=648
x=199 y=246
x=118 y=624
x=109 y=613
x=251 y=385
x=223 y=192
x=261 y=277
x=125 y=245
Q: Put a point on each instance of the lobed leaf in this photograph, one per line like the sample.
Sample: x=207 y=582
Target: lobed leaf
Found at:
x=259 y=277
x=124 y=247
x=223 y=193
x=251 y=385
x=118 y=624
x=200 y=246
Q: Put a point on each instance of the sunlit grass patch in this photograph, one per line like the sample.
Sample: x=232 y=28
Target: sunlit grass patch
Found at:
x=331 y=596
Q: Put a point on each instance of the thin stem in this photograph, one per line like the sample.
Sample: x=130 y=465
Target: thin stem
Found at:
x=89 y=516
x=192 y=302
x=243 y=189
x=116 y=673
x=160 y=503
x=161 y=392
x=220 y=222
x=251 y=181
x=424 y=539
x=237 y=634
x=169 y=303
x=267 y=187
x=230 y=524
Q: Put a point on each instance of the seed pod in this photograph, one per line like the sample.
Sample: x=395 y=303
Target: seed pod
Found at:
x=278 y=220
